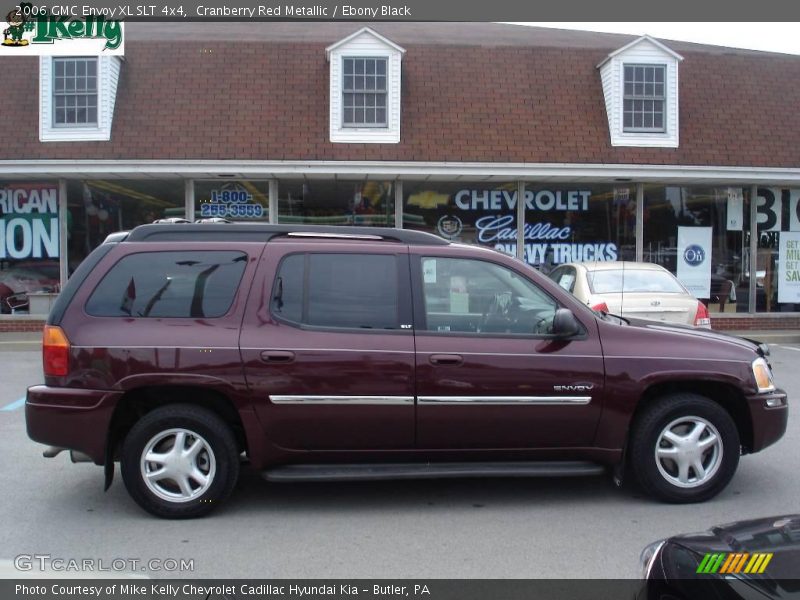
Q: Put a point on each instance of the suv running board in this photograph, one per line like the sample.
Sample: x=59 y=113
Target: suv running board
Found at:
x=372 y=472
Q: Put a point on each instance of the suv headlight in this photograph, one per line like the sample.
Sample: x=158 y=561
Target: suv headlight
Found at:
x=649 y=556
x=763 y=375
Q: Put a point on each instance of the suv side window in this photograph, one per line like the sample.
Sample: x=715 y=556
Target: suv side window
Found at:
x=188 y=284
x=357 y=291
x=476 y=296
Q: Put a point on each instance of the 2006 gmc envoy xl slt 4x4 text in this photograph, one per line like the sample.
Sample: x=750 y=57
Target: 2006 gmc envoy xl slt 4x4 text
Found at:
x=324 y=353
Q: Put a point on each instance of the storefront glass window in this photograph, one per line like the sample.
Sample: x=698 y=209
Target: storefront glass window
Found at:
x=778 y=261
x=29 y=242
x=96 y=208
x=701 y=234
x=564 y=223
x=336 y=202
x=232 y=200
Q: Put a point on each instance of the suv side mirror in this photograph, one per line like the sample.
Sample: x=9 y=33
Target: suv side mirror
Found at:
x=565 y=324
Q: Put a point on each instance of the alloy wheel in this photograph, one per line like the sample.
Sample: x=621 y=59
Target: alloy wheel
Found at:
x=178 y=465
x=688 y=452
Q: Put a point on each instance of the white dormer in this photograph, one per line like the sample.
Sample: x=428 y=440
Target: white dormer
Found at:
x=365 y=88
x=640 y=85
x=76 y=97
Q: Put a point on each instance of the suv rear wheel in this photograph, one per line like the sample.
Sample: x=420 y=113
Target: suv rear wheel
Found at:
x=180 y=461
x=684 y=448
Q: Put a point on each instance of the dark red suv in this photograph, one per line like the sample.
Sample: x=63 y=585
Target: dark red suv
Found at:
x=361 y=353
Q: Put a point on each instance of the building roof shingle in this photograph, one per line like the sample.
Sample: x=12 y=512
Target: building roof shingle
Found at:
x=471 y=93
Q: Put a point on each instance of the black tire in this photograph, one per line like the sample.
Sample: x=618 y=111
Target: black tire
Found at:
x=682 y=413
x=217 y=461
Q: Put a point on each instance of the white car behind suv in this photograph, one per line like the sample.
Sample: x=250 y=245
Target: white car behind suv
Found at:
x=632 y=289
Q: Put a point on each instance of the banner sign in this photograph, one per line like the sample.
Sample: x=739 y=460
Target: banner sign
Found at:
x=789 y=267
x=28 y=221
x=231 y=202
x=694 y=260
x=735 y=209
x=550 y=238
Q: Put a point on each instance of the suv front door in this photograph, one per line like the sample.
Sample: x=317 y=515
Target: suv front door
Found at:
x=489 y=374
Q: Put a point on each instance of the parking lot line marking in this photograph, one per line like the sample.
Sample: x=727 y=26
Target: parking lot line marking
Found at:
x=789 y=348
x=14 y=405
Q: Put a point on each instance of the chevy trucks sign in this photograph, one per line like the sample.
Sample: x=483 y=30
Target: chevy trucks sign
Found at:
x=28 y=221
x=548 y=236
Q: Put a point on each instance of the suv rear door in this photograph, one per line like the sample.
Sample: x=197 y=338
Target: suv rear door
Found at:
x=328 y=347
x=488 y=374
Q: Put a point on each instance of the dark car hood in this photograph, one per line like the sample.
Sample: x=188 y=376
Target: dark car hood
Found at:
x=779 y=535
x=698 y=332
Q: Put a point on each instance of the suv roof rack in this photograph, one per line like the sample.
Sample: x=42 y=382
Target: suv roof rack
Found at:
x=261 y=232
x=116 y=237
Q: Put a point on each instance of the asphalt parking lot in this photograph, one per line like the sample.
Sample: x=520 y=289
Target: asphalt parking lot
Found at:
x=435 y=529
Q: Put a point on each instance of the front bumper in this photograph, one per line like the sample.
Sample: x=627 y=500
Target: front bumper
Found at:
x=769 y=422
x=71 y=418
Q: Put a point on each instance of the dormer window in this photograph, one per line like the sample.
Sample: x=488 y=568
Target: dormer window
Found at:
x=364 y=92
x=365 y=89
x=75 y=91
x=77 y=97
x=644 y=98
x=640 y=87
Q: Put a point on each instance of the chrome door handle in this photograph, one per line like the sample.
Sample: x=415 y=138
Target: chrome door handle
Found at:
x=446 y=359
x=277 y=356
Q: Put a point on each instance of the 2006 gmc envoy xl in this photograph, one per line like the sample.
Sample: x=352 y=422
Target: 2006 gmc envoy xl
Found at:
x=324 y=353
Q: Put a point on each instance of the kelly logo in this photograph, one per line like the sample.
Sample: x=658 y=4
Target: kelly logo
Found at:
x=32 y=30
x=16 y=27
x=737 y=562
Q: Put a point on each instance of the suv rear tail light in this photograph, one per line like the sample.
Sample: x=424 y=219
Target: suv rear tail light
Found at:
x=701 y=318
x=55 y=351
x=602 y=307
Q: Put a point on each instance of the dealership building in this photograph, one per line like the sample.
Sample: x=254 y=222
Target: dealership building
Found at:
x=555 y=146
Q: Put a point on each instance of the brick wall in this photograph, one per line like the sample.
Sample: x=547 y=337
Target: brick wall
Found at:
x=18 y=325
x=771 y=323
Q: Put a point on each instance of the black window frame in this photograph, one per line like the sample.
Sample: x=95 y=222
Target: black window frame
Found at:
x=405 y=317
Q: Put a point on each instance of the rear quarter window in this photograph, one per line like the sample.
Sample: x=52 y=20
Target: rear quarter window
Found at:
x=186 y=284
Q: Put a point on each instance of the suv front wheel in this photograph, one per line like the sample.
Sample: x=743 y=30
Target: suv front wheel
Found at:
x=180 y=461
x=684 y=448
